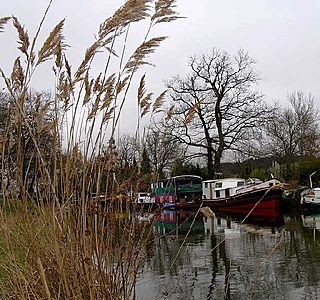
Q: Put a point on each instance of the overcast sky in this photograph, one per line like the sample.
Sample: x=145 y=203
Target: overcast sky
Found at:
x=281 y=35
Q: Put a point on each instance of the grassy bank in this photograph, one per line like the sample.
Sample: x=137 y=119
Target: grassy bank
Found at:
x=70 y=254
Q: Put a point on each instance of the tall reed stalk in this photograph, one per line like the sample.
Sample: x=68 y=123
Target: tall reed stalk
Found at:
x=58 y=241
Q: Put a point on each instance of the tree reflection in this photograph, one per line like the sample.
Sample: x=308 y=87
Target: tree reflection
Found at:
x=229 y=260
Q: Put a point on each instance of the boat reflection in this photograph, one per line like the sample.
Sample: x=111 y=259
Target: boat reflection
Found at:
x=232 y=257
x=178 y=222
x=311 y=221
x=233 y=223
x=181 y=222
x=192 y=250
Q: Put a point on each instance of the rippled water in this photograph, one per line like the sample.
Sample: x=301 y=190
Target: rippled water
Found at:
x=220 y=258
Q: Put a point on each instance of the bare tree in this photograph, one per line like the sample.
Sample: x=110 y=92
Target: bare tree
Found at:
x=294 y=131
x=41 y=116
x=128 y=151
x=162 y=151
x=215 y=105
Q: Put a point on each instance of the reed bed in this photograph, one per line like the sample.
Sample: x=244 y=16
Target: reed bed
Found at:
x=65 y=229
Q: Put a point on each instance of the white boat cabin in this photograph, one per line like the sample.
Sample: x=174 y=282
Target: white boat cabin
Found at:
x=311 y=196
x=253 y=184
x=221 y=188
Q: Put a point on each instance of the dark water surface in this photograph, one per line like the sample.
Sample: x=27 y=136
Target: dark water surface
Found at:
x=219 y=258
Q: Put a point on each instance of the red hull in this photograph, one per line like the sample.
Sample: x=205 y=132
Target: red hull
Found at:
x=259 y=203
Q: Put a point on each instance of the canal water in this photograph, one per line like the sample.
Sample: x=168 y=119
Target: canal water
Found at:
x=194 y=257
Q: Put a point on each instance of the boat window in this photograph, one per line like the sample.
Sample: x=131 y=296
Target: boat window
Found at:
x=218 y=193
x=204 y=196
x=187 y=181
x=218 y=184
x=240 y=183
x=206 y=184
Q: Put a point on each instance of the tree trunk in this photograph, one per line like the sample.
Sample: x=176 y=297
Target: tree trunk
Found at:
x=218 y=153
x=217 y=162
x=210 y=165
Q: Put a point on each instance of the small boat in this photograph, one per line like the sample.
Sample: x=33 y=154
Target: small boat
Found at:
x=241 y=196
x=310 y=198
x=144 y=198
x=144 y=201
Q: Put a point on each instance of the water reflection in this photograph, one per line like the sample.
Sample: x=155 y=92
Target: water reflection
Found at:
x=311 y=221
x=171 y=222
x=221 y=258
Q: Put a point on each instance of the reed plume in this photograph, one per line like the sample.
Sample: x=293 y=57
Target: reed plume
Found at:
x=3 y=21
x=66 y=233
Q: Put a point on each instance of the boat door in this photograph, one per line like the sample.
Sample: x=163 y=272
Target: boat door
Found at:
x=227 y=193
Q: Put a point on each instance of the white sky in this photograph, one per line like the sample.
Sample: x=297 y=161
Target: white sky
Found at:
x=281 y=35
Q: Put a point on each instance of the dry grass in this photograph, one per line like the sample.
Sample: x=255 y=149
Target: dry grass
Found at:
x=59 y=242
x=46 y=258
